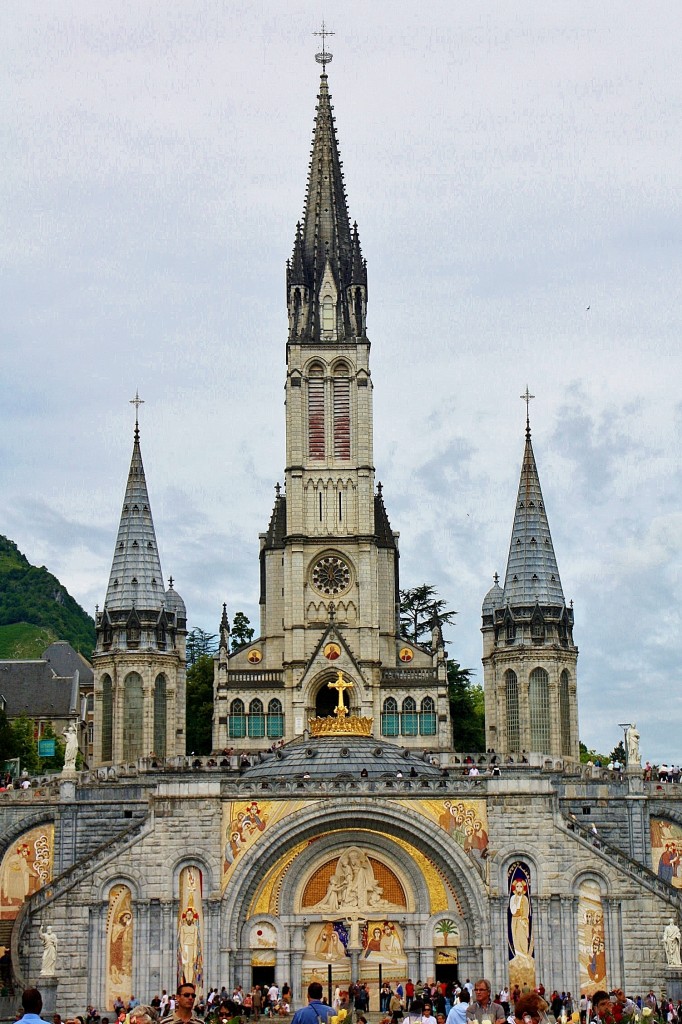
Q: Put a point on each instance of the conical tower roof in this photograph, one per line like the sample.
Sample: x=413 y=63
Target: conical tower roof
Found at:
x=532 y=572
x=136 y=580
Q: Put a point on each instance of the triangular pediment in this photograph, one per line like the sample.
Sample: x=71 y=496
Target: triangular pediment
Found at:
x=333 y=653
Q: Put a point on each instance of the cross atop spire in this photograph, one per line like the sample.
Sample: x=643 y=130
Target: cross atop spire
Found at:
x=325 y=57
x=137 y=402
x=527 y=399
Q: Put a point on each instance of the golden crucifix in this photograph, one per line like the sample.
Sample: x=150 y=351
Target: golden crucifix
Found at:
x=341 y=686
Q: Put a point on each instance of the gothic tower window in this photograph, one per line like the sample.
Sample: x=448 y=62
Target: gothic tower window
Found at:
x=133 y=706
x=341 y=403
x=538 y=700
x=427 y=726
x=160 y=716
x=256 y=719
x=390 y=719
x=107 y=719
x=237 y=724
x=328 y=314
x=565 y=714
x=511 y=686
x=358 y=313
x=410 y=718
x=316 y=446
x=275 y=719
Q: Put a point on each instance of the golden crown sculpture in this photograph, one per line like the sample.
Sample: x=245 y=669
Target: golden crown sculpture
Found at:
x=342 y=724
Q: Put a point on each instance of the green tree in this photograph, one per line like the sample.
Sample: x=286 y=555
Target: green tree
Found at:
x=592 y=755
x=25 y=745
x=242 y=632
x=618 y=753
x=199 y=709
x=420 y=608
x=199 y=644
x=467 y=708
x=7 y=740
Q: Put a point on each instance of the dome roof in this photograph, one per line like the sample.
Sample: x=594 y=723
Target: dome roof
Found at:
x=493 y=599
x=323 y=757
x=175 y=604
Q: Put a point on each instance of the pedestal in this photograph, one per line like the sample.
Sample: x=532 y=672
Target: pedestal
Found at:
x=48 y=990
x=67 y=787
x=673 y=983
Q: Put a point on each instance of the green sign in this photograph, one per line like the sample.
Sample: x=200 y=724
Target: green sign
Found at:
x=46 y=748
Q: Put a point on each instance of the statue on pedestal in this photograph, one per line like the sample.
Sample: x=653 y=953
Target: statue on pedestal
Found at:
x=671 y=941
x=632 y=741
x=49 y=941
x=71 y=752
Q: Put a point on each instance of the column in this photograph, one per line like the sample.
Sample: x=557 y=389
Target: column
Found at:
x=212 y=965
x=569 y=932
x=543 y=940
x=167 y=946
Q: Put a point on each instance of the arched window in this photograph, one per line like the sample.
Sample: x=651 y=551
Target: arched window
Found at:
x=256 y=719
x=90 y=703
x=427 y=724
x=565 y=714
x=107 y=719
x=275 y=719
x=237 y=720
x=410 y=719
x=328 y=317
x=341 y=396
x=160 y=716
x=538 y=701
x=316 y=446
x=133 y=707
x=390 y=719
x=511 y=686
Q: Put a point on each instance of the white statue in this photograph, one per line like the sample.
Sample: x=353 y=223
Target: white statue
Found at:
x=671 y=941
x=71 y=752
x=49 y=940
x=353 y=885
x=632 y=740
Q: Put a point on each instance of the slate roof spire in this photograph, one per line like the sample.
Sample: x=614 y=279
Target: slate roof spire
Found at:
x=136 y=580
x=532 y=573
x=327 y=256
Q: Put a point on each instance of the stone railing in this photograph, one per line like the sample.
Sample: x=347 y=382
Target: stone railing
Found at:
x=616 y=858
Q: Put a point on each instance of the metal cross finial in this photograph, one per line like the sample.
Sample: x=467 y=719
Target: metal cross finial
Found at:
x=325 y=56
x=496 y=578
x=137 y=402
x=527 y=398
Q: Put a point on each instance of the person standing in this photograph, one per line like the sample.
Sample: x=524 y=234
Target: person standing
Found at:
x=184 y=1006
x=316 y=1012
x=32 y=1002
x=483 y=1007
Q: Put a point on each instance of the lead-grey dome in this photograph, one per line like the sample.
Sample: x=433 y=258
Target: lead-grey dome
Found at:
x=329 y=756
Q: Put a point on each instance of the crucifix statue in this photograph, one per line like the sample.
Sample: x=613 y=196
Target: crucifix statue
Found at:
x=341 y=686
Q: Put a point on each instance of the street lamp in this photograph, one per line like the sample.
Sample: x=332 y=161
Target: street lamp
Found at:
x=625 y=726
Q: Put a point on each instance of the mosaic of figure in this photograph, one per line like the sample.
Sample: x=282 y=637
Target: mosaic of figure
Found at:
x=383 y=942
x=467 y=822
x=25 y=868
x=191 y=929
x=520 y=937
x=353 y=885
x=666 y=851
x=591 y=941
x=119 y=944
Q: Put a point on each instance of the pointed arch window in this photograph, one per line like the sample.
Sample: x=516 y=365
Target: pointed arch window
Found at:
x=427 y=717
x=256 y=719
x=390 y=719
x=328 y=314
x=107 y=719
x=160 y=716
x=511 y=692
x=565 y=713
x=538 y=701
x=237 y=720
x=316 y=446
x=275 y=719
x=341 y=398
x=133 y=707
x=410 y=722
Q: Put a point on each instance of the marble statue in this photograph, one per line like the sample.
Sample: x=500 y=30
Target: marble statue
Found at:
x=632 y=741
x=671 y=941
x=71 y=737
x=49 y=941
x=353 y=885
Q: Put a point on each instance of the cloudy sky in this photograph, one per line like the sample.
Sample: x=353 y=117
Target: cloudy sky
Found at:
x=515 y=172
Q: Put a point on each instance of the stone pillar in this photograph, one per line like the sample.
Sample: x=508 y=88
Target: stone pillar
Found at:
x=48 y=990
x=168 y=970
x=615 y=973
x=141 y=963
x=673 y=982
x=543 y=941
x=212 y=966
x=569 y=932
x=296 y=960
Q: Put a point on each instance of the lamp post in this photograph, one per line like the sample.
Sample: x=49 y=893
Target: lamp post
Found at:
x=625 y=726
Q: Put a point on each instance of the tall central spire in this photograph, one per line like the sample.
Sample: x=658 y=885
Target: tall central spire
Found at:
x=327 y=275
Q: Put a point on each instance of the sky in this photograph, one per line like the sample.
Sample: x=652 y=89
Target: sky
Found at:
x=514 y=170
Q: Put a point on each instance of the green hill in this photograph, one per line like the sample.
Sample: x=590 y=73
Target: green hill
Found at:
x=36 y=609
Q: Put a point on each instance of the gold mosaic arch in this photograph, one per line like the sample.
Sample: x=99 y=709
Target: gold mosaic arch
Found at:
x=266 y=898
x=317 y=883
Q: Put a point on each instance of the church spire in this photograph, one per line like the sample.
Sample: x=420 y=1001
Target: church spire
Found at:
x=327 y=276
x=136 y=580
x=532 y=573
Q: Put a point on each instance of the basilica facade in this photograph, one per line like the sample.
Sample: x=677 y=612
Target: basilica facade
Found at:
x=334 y=833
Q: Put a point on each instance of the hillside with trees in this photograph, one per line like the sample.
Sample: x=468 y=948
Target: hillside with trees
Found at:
x=36 y=609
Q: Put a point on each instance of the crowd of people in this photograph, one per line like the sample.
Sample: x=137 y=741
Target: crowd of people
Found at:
x=398 y=1003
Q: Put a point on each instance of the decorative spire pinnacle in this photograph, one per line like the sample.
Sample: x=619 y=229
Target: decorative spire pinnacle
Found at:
x=325 y=57
x=137 y=402
x=527 y=399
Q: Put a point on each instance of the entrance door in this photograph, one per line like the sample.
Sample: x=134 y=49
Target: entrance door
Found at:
x=263 y=976
x=446 y=972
